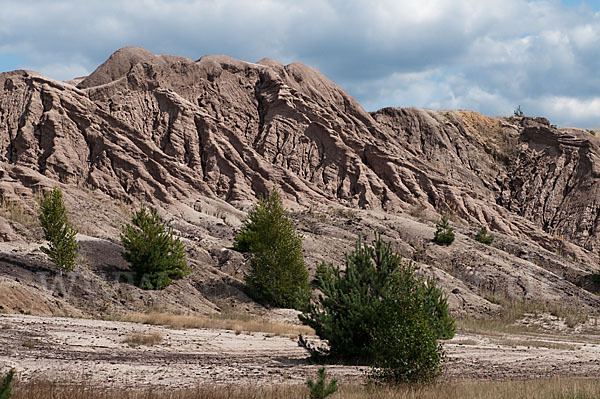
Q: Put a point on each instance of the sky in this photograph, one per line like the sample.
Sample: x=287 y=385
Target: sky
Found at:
x=485 y=55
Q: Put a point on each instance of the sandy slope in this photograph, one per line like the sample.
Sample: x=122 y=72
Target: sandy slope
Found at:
x=92 y=351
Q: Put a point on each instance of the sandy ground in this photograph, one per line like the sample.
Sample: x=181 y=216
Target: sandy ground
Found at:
x=93 y=351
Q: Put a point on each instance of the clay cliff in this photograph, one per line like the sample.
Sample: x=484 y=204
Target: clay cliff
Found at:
x=203 y=139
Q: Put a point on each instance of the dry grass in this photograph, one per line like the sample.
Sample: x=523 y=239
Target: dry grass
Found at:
x=86 y=229
x=536 y=343
x=146 y=339
x=535 y=389
x=417 y=211
x=514 y=311
x=465 y=341
x=16 y=213
x=237 y=324
x=489 y=132
x=493 y=327
x=342 y=213
x=29 y=344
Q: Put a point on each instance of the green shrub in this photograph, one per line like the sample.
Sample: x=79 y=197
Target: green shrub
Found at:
x=278 y=275
x=483 y=237
x=156 y=255
x=444 y=234
x=366 y=308
x=319 y=389
x=59 y=233
x=405 y=345
x=6 y=385
x=435 y=305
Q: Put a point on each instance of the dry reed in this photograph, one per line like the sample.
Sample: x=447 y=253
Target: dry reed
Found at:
x=234 y=324
x=532 y=389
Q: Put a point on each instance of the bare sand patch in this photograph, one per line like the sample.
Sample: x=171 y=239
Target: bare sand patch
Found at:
x=94 y=351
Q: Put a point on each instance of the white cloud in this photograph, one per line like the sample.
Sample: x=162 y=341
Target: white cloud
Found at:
x=586 y=36
x=572 y=108
x=61 y=71
x=487 y=55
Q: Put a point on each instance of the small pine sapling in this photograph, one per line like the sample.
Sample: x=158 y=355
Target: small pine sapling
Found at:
x=483 y=237
x=518 y=112
x=444 y=234
x=320 y=389
x=59 y=233
x=6 y=385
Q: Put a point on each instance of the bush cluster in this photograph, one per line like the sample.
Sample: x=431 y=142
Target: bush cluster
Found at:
x=155 y=254
x=379 y=311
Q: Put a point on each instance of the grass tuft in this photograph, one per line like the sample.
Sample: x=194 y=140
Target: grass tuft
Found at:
x=514 y=311
x=17 y=214
x=29 y=344
x=239 y=325
x=145 y=339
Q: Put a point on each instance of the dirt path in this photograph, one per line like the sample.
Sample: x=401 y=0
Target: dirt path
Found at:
x=93 y=351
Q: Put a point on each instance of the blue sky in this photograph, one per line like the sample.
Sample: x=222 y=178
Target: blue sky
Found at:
x=489 y=56
x=595 y=4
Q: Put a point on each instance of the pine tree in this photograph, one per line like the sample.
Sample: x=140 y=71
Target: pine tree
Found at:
x=518 y=112
x=405 y=335
x=436 y=306
x=444 y=234
x=319 y=389
x=278 y=275
x=483 y=237
x=380 y=301
x=6 y=385
x=348 y=304
x=155 y=254
x=59 y=233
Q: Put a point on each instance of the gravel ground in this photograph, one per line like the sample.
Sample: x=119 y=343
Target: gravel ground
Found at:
x=69 y=349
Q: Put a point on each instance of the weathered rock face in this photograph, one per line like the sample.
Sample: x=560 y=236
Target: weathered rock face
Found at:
x=555 y=182
x=170 y=130
x=481 y=167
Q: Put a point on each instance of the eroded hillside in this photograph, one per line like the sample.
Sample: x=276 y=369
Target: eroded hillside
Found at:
x=202 y=139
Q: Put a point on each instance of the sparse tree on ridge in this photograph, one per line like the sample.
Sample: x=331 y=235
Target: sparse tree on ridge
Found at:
x=518 y=112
